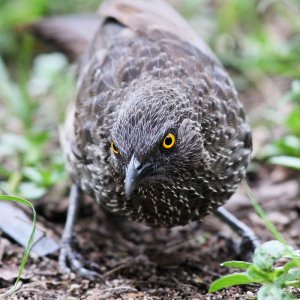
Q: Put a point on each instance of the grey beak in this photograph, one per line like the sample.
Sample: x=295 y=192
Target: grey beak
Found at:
x=135 y=172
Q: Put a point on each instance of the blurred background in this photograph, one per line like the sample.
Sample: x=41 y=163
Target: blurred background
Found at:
x=257 y=41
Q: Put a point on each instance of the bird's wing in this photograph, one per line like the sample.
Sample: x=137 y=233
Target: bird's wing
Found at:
x=150 y=16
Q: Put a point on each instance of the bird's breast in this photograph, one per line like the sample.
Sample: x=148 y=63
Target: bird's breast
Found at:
x=163 y=205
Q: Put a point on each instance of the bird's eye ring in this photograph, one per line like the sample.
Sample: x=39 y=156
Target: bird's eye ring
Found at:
x=114 y=148
x=169 y=141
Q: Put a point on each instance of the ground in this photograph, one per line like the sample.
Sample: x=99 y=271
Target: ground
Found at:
x=139 y=263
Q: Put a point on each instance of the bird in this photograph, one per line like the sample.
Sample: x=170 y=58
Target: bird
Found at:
x=157 y=133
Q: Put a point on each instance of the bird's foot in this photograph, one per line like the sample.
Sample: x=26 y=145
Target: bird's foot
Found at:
x=247 y=246
x=72 y=261
x=249 y=243
x=242 y=249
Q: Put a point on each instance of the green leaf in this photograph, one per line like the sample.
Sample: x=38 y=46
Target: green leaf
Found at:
x=266 y=254
x=31 y=190
x=286 y=161
x=229 y=280
x=33 y=174
x=259 y=276
x=293 y=122
x=294 y=93
x=272 y=292
x=11 y=144
x=46 y=67
x=285 y=278
x=237 y=264
x=294 y=262
x=288 y=145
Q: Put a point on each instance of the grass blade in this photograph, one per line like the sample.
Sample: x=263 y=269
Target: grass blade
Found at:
x=31 y=238
x=261 y=213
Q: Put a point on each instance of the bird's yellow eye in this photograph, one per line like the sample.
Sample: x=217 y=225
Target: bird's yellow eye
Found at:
x=169 y=141
x=114 y=148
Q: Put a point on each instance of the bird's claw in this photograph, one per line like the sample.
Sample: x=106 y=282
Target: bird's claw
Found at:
x=71 y=261
x=247 y=247
x=243 y=249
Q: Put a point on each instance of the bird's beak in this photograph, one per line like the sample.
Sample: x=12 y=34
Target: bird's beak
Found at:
x=135 y=172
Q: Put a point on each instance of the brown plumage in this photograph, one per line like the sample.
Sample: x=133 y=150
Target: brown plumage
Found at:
x=146 y=74
x=147 y=78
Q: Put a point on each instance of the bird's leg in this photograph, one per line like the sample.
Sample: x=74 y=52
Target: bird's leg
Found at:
x=69 y=260
x=249 y=239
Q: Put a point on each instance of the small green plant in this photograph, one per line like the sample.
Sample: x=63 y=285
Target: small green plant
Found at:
x=275 y=280
x=276 y=265
x=31 y=237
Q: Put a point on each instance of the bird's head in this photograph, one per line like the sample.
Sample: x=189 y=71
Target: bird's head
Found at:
x=154 y=138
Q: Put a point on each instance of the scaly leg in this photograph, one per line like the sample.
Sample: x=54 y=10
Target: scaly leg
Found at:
x=249 y=239
x=69 y=260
